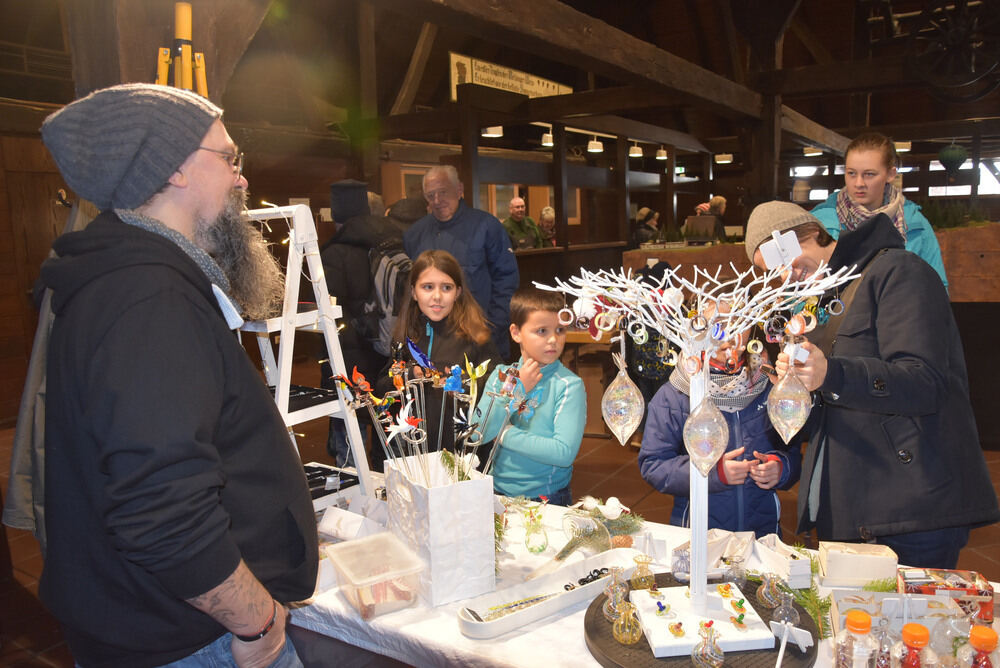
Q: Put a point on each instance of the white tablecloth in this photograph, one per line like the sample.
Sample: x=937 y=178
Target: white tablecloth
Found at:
x=424 y=636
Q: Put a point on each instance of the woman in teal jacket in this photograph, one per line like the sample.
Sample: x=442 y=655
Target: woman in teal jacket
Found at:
x=869 y=169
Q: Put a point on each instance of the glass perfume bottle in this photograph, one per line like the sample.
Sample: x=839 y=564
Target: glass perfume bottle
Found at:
x=707 y=653
x=616 y=591
x=768 y=593
x=735 y=573
x=642 y=577
x=627 y=629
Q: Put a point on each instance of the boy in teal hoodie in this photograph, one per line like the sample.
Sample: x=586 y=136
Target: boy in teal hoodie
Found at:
x=536 y=448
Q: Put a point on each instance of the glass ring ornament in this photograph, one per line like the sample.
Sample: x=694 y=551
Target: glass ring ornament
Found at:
x=566 y=316
x=662 y=348
x=718 y=331
x=605 y=321
x=583 y=322
x=835 y=307
x=698 y=323
x=754 y=347
x=810 y=320
x=796 y=325
x=671 y=358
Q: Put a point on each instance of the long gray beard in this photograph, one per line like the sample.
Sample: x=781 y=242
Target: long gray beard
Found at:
x=240 y=249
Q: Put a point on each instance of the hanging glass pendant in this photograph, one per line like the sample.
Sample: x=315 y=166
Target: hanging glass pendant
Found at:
x=706 y=435
x=622 y=404
x=788 y=406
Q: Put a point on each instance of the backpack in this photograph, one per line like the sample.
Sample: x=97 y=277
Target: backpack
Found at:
x=390 y=272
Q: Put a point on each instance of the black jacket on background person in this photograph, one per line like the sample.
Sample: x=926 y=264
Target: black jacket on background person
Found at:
x=902 y=451
x=166 y=460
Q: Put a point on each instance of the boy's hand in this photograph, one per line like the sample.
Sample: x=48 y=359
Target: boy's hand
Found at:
x=764 y=471
x=530 y=373
x=735 y=470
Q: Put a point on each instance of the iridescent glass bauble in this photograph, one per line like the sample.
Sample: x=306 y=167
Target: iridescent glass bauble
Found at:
x=706 y=435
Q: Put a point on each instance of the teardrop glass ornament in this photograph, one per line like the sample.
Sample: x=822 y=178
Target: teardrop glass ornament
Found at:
x=788 y=406
x=622 y=405
x=706 y=435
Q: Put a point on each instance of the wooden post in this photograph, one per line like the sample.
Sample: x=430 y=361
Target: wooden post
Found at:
x=621 y=185
x=468 y=129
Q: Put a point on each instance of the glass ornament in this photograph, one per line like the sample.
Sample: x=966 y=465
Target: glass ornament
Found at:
x=950 y=633
x=768 y=593
x=627 y=629
x=883 y=643
x=536 y=539
x=736 y=573
x=788 y=406
x=707 y=653
x=642 y=577
x=617 y=591
x=622 y=405
x=786 y=612
x=706 y=435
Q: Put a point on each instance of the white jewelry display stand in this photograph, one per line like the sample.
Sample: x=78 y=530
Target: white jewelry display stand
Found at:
x=303 y=246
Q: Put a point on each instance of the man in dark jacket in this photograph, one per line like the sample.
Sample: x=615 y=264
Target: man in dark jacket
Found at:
x=477 y=240
x=177 y=512
x=347 y=267
x=894 y=455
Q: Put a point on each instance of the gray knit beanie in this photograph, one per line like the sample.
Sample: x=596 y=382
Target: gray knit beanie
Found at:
x=774 y=217
x=118 y=146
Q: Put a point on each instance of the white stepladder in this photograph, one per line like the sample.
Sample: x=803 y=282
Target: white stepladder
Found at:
x=309 y=403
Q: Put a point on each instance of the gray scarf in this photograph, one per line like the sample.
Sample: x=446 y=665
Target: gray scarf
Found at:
x=200 y=257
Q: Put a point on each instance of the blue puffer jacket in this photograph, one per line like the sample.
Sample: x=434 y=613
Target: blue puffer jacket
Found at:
x=663 y=463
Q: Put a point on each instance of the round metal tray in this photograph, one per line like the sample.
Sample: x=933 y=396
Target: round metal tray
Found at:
x=609 y=652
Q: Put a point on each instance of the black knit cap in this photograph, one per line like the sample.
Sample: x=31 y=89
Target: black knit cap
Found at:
x=118 y=146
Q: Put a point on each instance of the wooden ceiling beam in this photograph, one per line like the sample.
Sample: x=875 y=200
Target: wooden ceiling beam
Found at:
x=415 y=70
x=625 y=127
x=811 y=133
x=838 y=78
x=553 y=30
x=984 y=127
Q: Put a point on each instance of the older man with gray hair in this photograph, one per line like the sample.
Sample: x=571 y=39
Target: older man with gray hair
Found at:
x=476 y=239
x=521 y=228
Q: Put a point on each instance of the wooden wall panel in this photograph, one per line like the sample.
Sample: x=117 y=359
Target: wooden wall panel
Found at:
x=30 y=218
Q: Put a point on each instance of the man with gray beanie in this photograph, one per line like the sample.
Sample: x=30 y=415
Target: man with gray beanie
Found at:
x=894 y=455
x=177 y=515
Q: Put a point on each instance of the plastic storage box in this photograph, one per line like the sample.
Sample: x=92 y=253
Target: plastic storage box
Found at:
x=377 y=574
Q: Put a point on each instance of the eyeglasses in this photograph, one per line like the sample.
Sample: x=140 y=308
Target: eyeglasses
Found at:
x=235 y=160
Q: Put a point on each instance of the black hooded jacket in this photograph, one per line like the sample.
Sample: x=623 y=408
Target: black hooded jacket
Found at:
x=166 y=460
x=902 y=451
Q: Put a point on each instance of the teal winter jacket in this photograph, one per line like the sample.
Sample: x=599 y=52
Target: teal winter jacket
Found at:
x=920 y=237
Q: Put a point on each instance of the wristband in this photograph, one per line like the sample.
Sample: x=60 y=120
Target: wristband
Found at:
x=267 y=626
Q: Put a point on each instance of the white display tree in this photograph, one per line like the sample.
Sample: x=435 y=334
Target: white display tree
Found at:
x=697 y=315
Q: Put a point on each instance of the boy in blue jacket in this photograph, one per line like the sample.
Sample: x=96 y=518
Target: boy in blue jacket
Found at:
x=741 y=493
x=535 y=451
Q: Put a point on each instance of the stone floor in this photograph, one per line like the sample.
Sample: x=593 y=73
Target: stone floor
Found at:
x=30 y=637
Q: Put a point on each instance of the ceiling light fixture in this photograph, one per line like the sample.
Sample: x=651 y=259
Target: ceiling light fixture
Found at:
x=811 y=151
x=723 y=158
x=594 y=146
x=493 y=131
x=547 y=139
x=903 y=146
x=635 y=151
x=679 y=169
x=661 y=154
